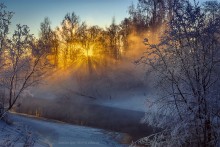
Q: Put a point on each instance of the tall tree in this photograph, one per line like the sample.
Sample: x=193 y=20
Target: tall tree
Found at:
x=186 y=63
x=114 y=40
x=212 y=9
x=49 y=40
x=25 y=67
x=125 y=31
x=70 y=25
x=138 y=18
x=5 y=21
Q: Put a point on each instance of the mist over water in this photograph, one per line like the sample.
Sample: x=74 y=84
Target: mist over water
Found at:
x=111 y=96
x=113 y=101
x=104 y=81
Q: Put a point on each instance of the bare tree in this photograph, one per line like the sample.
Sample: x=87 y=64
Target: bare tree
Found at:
x=46 y=34
x=25 y=66
x=212 y=8
x=68 y=31
x=5 y=21
x=125 y=31
x=49 y=41
x=186 y=63
x=114 y=40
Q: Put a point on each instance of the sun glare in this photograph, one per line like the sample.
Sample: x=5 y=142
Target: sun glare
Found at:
x=88 y=52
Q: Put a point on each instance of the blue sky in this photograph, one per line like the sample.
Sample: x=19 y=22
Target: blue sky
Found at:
x=94 y=12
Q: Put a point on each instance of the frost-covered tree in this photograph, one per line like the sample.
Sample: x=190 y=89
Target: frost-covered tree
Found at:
x=24 y=66
x=5 y=21
x=186 y=64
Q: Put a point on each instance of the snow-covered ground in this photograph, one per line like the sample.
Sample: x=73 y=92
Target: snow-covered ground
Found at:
x=27 y=130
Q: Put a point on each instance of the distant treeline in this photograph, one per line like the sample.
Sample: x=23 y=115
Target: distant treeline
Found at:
x=74 y=42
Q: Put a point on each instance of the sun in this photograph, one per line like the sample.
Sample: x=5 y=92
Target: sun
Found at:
x=85 y=61
x=88 y=52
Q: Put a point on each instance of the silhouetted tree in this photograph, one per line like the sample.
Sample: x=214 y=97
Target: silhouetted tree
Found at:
x=155 y=10
x=138 y=18
x=70 y=25
x=114 y=40
x=48 y=40
x=125 y=31
x=151 y=13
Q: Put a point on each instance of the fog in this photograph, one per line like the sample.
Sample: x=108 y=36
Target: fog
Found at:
x=105 y=82
x=113 y=97
x=113 y=101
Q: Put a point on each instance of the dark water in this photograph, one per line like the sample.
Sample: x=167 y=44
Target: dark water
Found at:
x=114 y=119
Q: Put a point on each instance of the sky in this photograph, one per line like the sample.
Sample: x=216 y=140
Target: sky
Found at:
x=94 y=12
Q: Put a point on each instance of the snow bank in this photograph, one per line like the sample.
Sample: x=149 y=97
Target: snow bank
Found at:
x=39 y=132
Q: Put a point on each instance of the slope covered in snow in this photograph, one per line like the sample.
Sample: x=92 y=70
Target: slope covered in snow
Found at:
x=27 y=130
